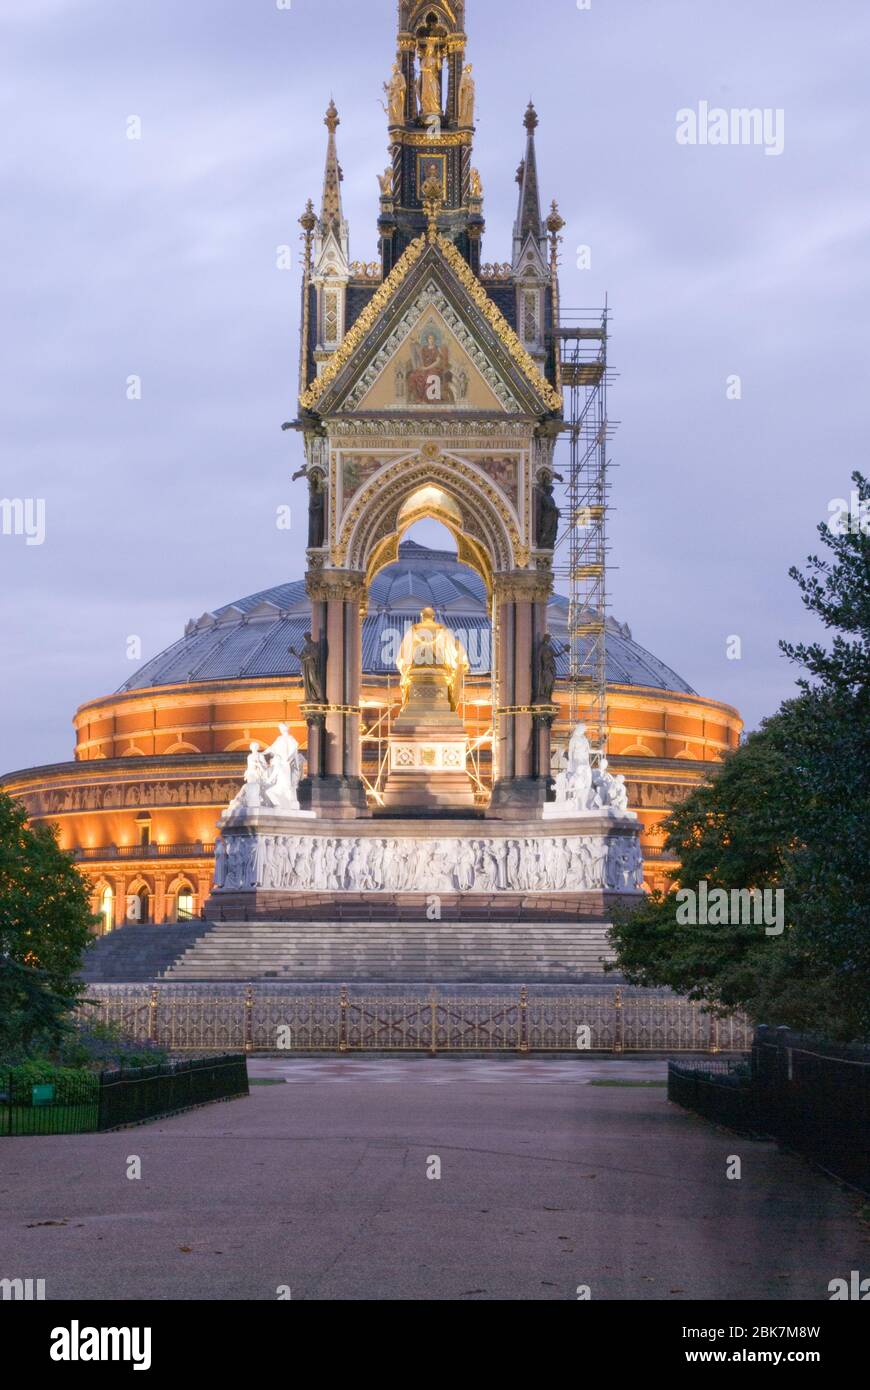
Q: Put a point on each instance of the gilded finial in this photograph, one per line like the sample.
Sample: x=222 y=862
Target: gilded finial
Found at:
x=331 y=120
x=530 y=120
x=432 y=195
x=308 y=220
x=555 y=220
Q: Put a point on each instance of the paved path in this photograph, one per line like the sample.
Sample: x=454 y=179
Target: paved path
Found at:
x=545 y=1185
x=486 y=1071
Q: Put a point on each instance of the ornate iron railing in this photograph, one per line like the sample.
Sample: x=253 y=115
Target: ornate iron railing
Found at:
x=264 y=1018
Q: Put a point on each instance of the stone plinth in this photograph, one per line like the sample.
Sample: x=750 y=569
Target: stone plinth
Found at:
x=428 y=749
x=571 y=868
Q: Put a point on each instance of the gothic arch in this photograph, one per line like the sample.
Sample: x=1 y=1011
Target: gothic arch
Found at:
x=449 y=491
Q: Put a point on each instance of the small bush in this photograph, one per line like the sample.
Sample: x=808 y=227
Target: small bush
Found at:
x=72 y=1084
x=98 y=1045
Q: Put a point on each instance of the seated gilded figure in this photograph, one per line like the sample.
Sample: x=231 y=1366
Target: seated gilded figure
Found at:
x=429 y=650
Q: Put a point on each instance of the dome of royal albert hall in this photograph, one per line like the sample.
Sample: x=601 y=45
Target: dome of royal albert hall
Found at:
x=250 y=638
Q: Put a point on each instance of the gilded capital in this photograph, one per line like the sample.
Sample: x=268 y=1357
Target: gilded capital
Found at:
x=343 y=586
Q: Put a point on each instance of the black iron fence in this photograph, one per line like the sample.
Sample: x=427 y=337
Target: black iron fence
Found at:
x=720 y=1092
x=88 y=1101
x=127 y=1097
x=816 y=1098
x=68 y=1103
x=813 y=1096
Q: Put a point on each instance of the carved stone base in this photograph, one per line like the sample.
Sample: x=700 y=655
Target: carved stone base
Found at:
x=428 y=756
x=448 y=859
x=519 y=798
x=335 y=798
x=522 y=908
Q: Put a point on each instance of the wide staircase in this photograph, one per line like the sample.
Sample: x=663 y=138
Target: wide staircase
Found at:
x=135 y=953
x=396 y=951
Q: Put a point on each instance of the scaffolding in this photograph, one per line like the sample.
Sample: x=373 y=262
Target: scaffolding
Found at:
x=580 y=560
x=375 y=729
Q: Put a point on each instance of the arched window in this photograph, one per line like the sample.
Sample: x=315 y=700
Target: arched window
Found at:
x=184 y=908
x=138 y=905
x=107 y=910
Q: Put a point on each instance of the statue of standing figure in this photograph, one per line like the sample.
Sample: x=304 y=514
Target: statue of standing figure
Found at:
x=316 y=504
x=574 y=780
x=429 y=84
x=312 y=659
x=545 y=671
x=316 y=511
x=547 y=514
x=466 y=97
x=285 y=771
x=396 y=90
x=580 y=788
x=272 y=776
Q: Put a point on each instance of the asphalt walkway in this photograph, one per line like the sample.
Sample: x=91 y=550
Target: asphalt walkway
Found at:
x=549 y=1181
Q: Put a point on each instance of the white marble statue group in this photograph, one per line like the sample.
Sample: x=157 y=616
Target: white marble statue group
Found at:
x=369 y=864
x=584 y=790
x=272 y=777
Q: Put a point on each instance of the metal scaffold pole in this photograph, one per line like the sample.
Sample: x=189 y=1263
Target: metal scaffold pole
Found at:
x=581 y=550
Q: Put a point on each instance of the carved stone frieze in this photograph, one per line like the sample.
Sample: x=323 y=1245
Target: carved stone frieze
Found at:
x=446 y=864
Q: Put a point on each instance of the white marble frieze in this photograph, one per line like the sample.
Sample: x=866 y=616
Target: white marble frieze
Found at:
x=443 y=864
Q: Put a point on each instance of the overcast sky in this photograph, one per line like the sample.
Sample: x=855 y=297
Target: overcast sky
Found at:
x=157 y=257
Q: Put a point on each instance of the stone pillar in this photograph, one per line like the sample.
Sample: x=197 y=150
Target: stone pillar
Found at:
x=159 y=899
x=203 y=889
x=334 y=787
x=523 y=735
x=120 y=908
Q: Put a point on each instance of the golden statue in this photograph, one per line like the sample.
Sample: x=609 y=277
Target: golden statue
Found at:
x=431 y=657
x=466 y=96
x=395 y=90
x=476 y=186
x=430 y=80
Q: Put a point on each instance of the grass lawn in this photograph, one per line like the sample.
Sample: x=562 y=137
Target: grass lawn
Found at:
x=627 y=1083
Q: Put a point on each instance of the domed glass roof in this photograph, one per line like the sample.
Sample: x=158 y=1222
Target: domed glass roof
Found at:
x=250 y=638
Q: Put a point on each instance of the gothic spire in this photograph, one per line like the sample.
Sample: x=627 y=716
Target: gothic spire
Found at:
x=331 y=216
x=529 y=221
x=332 y=229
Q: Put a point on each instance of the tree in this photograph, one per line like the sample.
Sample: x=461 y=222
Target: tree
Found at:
x=789 y=811
x=45 y=922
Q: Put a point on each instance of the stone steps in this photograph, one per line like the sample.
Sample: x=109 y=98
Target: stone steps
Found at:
x=133 y=954
x=395 y=952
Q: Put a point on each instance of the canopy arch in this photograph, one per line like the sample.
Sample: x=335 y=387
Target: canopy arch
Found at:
x=447 y=490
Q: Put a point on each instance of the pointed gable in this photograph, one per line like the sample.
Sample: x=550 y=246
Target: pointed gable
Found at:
x=469 y=346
